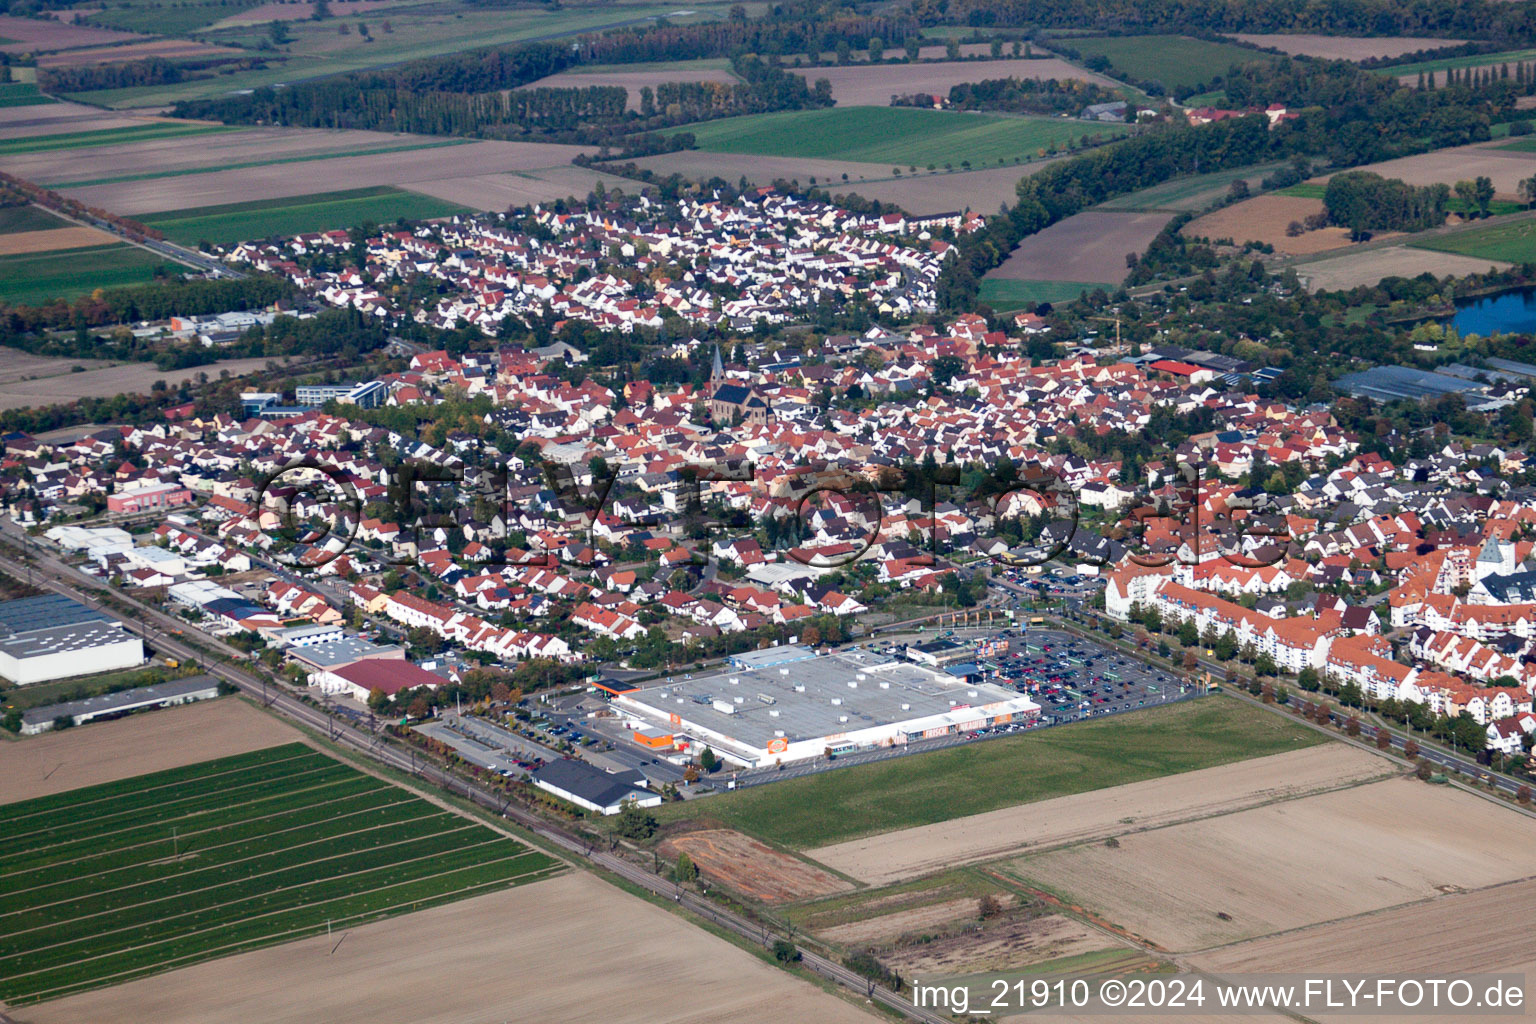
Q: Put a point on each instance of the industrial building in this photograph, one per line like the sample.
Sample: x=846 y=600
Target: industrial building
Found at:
x=116 y=705
x=593 y=788
x=792 y=705
x=53 y=637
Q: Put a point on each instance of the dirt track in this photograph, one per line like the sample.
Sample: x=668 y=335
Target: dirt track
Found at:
x=37 y=766
x=568 y=949
x=1093 y=815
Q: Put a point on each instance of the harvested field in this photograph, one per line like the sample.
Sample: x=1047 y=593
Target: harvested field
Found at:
x=874 y=85
x=1507 y=167
x=152 y=742
x=36 y=35
x=18 y=122
x=264 y=13
x=1291 y=864
x=126 y=378
x=1010 y=943
x=1369 y=266
x=521 y=188
x=1469 y=931
x=222 y=150
x=944 y=193
x=17 y=365
x=752 y=868
x=1083 y=817
x=760 y=169
x=1264 y=219
x=1344 y=47
x=53 y=240
x=1089 y=246
x=277 y=181
x=164 y=49
x=888 y=928
x=567 y=948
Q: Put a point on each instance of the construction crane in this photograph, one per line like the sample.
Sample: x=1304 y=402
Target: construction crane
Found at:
x=1108 y=319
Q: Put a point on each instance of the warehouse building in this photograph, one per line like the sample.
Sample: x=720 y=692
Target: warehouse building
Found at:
x=124 y=702
x=53 y=637
x=801 y=706
x=593 y=788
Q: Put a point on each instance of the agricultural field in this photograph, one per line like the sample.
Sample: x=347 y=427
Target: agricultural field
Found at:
x=1344 y=47
x=873 y=85
x=1178 y=62
x=43 y=35
x=638 y=77
x=832 y=807
x=54 y=240
x=896 y=136
x=1188 y=194
x=22 y=94
x=1009 y=295
x=1369 y=266
x=1289 y=865
x=1117 y=810
x=1476 y=60
x=34 y=278
x=410 y=165
x=128 y=378
x=1089 y=246
x=1505 y=164
x=1514 y=242
x=751 y=868
x=108 y=137
x=23 y=219
x=529 y=953
x=1265 y=219
x=318 y=48
x=237 y=222
x=223 y=856
x=57 y=762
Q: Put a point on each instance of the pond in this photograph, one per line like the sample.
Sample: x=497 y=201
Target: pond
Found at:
x=1507 y=313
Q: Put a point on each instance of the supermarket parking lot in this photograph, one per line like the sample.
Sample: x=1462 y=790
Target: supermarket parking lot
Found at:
x=1072 y=678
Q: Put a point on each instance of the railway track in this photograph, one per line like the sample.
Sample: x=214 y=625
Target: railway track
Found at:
x=376 y=746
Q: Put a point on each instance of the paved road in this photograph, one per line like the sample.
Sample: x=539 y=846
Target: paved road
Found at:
x=66 y=580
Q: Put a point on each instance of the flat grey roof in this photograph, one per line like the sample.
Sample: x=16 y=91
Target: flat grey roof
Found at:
x=769 y=656
x=335 y=653
x=810 y=713
x=46 y=611
x=122 y=700
x=82 y=636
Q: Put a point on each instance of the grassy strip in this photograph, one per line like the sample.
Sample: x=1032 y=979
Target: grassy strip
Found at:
x=1515 y=242
x=109 y=137
x=152 y=175
x=922 y=789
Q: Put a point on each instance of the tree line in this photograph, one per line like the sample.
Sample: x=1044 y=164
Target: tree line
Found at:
x=1364 y=201
x=586 y=114
x=1460 y=19
x=1020 y=96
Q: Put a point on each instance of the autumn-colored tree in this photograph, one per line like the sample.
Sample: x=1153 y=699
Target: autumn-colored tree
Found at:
x=1383 y=739
x=988 y=906
x=500 y=692
x=1523 y=794
x=810 y=636
x=1352 y=727
x=691 y=774
x=1411 y=749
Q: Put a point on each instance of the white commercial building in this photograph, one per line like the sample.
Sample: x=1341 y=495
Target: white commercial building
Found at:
x=799 y=706
x=52 y=637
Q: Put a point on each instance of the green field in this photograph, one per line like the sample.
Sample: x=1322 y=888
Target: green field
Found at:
x=1178 y=62
x=326 y=211
x=1192 y=193
x=22 y=94
x=1004 y=295
x=107 y=137
x=1521 y=144
x=899 y=136
x=36 y=278
x=167 y=19
x=1474 y=61
x=16 y=219
x=1513 y=242
x=111 y=882
x=833 y=806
